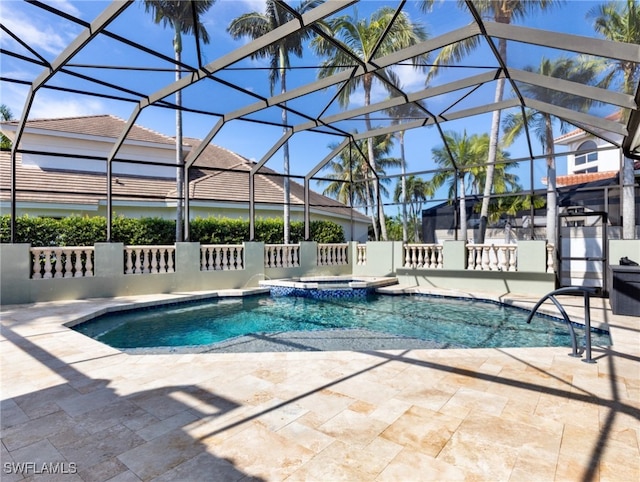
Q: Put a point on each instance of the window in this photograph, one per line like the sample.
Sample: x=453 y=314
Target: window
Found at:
x=585 y=153
x=589 y=169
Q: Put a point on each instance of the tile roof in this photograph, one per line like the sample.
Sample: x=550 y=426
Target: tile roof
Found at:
x=97 y=125
x=72 y=187
x=218 y=175
x=573 y=179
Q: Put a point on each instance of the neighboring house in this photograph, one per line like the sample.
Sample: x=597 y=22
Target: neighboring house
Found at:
x=61 y=171
x=590 y=158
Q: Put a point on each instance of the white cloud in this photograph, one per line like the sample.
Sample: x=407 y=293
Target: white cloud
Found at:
x=65 y=6
x=48 y=106
x=39 y=36
x=411 y=78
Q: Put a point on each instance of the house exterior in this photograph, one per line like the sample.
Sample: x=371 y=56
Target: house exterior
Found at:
x=61 y=171
x=590 y=158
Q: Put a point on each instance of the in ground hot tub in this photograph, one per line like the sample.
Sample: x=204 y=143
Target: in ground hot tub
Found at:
x=327 y=286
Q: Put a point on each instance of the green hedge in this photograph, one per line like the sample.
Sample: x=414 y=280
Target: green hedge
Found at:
x=85 y=231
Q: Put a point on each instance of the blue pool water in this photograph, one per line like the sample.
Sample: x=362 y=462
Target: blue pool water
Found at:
x=444 y=321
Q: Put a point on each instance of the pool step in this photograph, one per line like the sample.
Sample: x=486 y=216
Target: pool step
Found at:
x=397 y=289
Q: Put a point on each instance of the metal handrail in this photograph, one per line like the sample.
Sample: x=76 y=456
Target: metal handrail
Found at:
x=586 y=291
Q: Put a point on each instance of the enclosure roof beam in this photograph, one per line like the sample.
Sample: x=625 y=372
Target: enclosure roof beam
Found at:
x=413 y=97
x=574 y=43
x=602 y=95
x=576 y=117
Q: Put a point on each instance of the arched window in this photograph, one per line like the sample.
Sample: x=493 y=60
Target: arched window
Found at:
x=586 y=153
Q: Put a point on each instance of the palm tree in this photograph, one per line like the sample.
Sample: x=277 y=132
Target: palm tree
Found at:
x=414 y=191
x=501 y=11
x=256 y=24
x=5 y=115
x=184 y=17
x=620 y=22
x=467 y=169
x=578 y=70
x=362 y=38
x=351 y=172
x=398 y=113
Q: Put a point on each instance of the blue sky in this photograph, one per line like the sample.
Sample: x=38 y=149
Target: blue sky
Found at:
x=49 y=35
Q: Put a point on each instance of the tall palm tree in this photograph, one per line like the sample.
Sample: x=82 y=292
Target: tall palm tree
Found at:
x=580 y=70
x=5 y=115
x=501 y=11
x=352 y=172
x=467 y=169
x=256 y=24
x=398 y=114
x=362 y=39
x=413 y=191
x=184 y=17
x=620 y=22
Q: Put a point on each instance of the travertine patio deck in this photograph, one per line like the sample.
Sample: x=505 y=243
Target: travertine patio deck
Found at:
x=486 y=414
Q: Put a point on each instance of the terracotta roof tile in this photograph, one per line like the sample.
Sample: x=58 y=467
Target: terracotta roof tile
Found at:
x=572 y=179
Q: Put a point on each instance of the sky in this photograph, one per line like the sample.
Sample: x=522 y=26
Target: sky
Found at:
x=49 y=34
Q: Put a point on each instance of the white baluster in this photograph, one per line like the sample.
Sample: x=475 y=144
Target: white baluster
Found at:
x=227 y=259
x=128 y=261
x=68 y=264
x=88 y=263
x=471 y=262
x=503 y=258
x=76 y=271
x=492 y=258
x=479 y=251
x=550 y=258
x=47 y=264
x=56 y=263
x=155 y=266
x=420 y=263
x=203 y=258
x=138 y=265
x=36 y=264
x=407 y=256
x=513 y=258
x=440 y=264
x=486 y=261
x=433 y=260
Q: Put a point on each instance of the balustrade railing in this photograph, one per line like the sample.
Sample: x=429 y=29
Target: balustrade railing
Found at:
x=492 y=257
x=362 y=254
x=423 y=256
x=149 y=259
x=281 y=255
x=333 y=254
x=215 y=257
x=62 y=262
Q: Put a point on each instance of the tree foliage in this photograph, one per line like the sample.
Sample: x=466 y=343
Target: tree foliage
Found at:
x=86 y=231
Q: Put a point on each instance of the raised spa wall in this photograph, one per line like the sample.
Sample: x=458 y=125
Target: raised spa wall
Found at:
x=383 y=259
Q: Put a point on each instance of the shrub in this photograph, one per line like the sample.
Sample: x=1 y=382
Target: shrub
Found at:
x=86 y=231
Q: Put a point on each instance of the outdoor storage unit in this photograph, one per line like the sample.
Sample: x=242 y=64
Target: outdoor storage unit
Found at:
x=625 y=290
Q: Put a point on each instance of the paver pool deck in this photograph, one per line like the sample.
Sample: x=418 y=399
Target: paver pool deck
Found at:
x=405 y=415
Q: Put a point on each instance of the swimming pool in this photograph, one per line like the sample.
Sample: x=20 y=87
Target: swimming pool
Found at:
x=411 y=320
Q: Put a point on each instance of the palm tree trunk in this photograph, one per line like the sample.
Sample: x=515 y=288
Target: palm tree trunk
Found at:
x=286 y=215
x=372 y=160
x=405 y=232
x=177 y=44
x=552 y=202
x=463 y=210
x=493 y=148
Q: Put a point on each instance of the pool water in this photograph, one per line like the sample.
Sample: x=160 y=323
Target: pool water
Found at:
x=447 y=322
